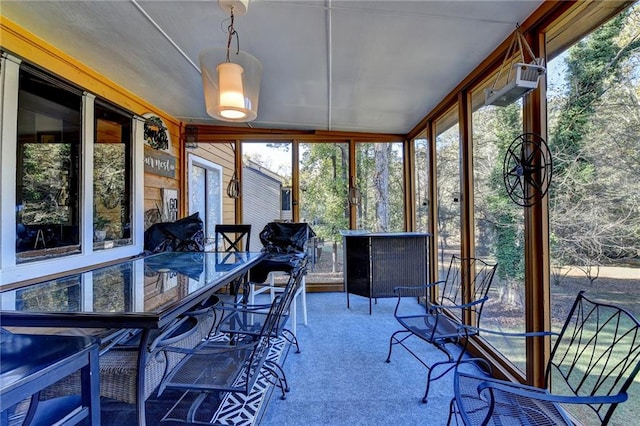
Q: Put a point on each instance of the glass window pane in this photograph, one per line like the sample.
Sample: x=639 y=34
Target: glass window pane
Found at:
x=205 y=193
x=111 y=179
x=448 y=188
x=197 y=191
x=214 y=201
x=48 y=170
x=380 y=178
x=594 y=136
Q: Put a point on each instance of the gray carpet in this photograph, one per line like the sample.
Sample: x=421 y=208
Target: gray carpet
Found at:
x=341 y=377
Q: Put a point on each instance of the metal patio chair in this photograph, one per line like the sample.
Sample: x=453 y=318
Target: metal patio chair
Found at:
x=218 y=366
x=241 y=319
x=232 y=237
x=594 y=360
x=440 y=323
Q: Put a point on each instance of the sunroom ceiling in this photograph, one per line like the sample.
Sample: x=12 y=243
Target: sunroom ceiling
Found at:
x=366 y=66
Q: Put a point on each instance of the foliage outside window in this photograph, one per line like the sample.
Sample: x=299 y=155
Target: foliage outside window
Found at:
x=448 y=189
x=380 y=180
x=421 y=176
x=324 y=171
x=594 y=135
x=111 y=179
x=499 y=224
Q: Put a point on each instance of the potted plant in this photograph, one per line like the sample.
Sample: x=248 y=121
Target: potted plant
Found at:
x=100 y=225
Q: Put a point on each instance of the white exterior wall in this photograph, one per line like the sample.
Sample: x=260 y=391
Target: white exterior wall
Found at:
x=261 y=202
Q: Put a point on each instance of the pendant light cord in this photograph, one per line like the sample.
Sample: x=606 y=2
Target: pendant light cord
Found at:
x=232 y=32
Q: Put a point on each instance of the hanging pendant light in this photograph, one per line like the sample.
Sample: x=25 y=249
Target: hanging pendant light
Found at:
x=231 y=80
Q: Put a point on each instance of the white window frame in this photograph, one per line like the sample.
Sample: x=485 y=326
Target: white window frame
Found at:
x=12 y=272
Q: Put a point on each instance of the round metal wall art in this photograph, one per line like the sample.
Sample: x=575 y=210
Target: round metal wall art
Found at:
x=527 y=169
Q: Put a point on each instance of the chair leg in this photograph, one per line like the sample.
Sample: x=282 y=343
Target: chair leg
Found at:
x=303 y=293
x=452 y=410
x=272 y=285
x=294 y=316
x=281 y=374
x=291 y=338
x=392 y=338
x=280 y=382
x=430 y=379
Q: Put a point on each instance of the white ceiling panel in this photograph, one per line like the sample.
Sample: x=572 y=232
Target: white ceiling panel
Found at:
x=372 y=66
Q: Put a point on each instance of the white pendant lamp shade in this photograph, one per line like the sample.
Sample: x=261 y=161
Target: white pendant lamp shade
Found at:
x=231 y=88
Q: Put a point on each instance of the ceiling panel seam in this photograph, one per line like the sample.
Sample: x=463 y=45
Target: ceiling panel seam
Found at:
x=165 y=35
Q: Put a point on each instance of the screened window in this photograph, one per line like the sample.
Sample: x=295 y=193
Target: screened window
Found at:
x=380 y=179
x=448 y=188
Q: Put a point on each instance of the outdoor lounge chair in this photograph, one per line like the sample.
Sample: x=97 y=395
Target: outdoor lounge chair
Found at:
x=440 y=323
x=594 y=360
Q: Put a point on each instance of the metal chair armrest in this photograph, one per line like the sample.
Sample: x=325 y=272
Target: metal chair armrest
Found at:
x=542 y=395
x=476 y=330
x=436 y=306
x=400 y=288
x=166 y=338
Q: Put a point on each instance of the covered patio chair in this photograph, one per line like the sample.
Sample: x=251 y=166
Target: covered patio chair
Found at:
x=286 y=245
x=440 y=323
x=593 y=362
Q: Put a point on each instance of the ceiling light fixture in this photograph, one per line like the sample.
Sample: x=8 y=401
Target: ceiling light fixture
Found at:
x=231 y=80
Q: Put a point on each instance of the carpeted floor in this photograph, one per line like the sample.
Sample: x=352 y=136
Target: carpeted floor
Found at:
x=341 y=377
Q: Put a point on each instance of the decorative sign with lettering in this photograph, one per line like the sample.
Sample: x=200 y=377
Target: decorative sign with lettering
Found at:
x=159 y=163
x=169 y=204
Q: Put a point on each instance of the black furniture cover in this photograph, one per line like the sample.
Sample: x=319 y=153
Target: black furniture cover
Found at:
x=285 y=244
x=282 y=237
x=185 y=234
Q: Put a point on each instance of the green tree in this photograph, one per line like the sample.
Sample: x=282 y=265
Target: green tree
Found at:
x=506 y=215
x=592 y=199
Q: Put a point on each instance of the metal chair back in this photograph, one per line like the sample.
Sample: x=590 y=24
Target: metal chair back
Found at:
x=229 y=238
x=453 y=289
x=597 y=354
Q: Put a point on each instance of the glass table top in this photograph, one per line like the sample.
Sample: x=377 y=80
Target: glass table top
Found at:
x=148 y=285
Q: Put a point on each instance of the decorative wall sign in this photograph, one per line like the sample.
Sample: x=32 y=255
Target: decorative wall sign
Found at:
x=169 y=205
x=156 y=134
x=159 y=163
